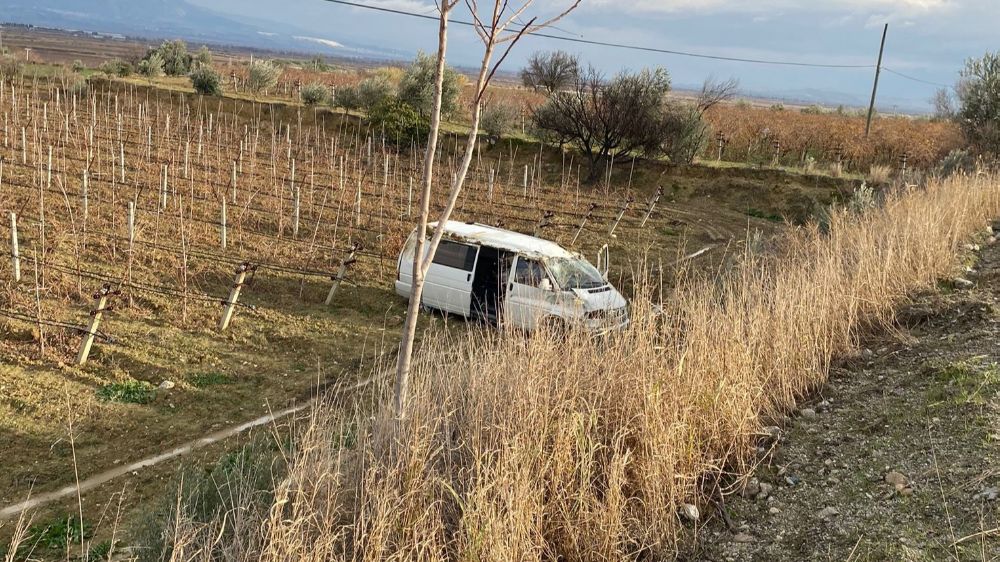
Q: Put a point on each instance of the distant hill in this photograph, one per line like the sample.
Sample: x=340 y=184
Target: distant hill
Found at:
x=175 y=18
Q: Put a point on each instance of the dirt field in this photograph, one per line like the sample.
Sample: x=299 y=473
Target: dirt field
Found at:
x=896 y=458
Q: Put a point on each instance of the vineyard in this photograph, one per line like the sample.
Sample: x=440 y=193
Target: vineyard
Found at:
x=134 y=214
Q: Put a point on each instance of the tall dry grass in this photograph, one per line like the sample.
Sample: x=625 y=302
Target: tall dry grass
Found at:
x=545 y=448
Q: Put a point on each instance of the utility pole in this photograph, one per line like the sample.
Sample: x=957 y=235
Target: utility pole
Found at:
x=878 y=71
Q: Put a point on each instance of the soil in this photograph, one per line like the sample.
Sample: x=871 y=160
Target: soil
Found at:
x=896 y=458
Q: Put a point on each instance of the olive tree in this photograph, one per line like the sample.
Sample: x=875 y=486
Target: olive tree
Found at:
x=416 y=88
x=979 y=102
x=551 y=71
x=262 y=76
x=206 y=81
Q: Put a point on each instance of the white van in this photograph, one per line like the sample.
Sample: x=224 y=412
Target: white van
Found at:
x=501 y=276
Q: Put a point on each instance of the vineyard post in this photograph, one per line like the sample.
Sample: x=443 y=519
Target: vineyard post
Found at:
x=621 y=215
x=15 y=254
x=722 y=144
x=222 y=225
x=296 y=202
x=234 y=295
x=583 y=223
x=348 y=261
x=493 y=175
x=652 y=205
x=524 y=183
x=409 y=200
x=84 y=195
x=163 y=188
x=777 y=152
x=233 y=182
x=902 y=163
x=102 y=297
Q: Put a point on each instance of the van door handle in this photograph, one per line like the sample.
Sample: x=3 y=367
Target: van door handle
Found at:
x=468 y=277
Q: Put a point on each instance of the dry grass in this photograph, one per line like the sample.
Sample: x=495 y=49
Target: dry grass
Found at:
x=879 y=175
x=542 y=448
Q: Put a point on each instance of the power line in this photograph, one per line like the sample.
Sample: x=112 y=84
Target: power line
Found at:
x=609 y=44
x=901 y=75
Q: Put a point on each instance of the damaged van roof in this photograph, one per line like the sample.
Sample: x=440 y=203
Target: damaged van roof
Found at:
x=503 y=239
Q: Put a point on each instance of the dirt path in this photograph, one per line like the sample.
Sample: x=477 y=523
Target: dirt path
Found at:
x=897 y=457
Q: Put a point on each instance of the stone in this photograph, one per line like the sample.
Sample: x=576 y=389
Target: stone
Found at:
x=690 y=512
x=988 y=494
x=765 y=490
x=752 y=488
x=166 y=385
x=963 y=283
x=897 y=479
x=773 y=432
x=807 y=413
x=743 y=538
x=773 y=510
x=827 y=512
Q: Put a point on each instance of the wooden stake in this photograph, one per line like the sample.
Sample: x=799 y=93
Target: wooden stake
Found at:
x=15 y=254
x=652 y=205
x=351 y=259
x=222 y=225
x=234 y=295
x=95 y=321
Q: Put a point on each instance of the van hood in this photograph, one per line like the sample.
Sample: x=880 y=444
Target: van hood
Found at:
x=602 y=298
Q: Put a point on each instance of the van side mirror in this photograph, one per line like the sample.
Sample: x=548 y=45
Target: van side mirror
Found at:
x=545 y=285
x=604 y=261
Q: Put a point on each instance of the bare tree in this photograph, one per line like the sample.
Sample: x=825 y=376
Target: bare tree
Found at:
x=609 y=119
x=714 y=92
x=494 y=31
x=550 y=71
x=944 y=104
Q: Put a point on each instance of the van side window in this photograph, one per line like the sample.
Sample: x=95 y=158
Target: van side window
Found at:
x=528 y=272
x=458 y=256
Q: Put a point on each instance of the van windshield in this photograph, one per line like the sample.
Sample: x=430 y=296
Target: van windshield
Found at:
x=574 y=274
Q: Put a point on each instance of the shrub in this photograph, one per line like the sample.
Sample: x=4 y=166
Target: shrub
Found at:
x=372 y=92
x=314 y=94
x=206 y=81
x=78 y=87
x=175 y=56
x=416 y=87
x=497 y=120
x=152 y=66
x=78 y=66
x=957 y=161
x=398 y=121
x=685 y=134
x=979 y=102
x=204 y=57
x=116 y=68
x=347 y=98
x=262 y=76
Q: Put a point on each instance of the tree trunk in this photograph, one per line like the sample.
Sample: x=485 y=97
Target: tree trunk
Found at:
x=405 y=358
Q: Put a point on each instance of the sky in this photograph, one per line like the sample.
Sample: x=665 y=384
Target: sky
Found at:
x=928 y=39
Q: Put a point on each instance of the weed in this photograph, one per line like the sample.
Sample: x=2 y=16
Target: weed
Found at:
x=58 y=533
x=757 y=213
x=129 y=392
x=205 y=380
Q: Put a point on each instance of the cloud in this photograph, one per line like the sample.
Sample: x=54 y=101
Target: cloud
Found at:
x=403 y=5
x=895 y=7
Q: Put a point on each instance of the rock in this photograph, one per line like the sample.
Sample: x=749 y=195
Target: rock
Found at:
x=963 y=283
x=807 y=413
x=972 y=247
x=792 y=480
x=906 y=492
x=167 y=385
x=988 y=494
x=743 y=538
x=827 y=512
x=773 y=433
x=897 y=479
x=690 y=512
x=765 y=490
x=773 y=510
x=752 y=488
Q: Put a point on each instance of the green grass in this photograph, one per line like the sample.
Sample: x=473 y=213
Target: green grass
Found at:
x=131 y=392
x=57 y=534
x=965 y=383
x=757 y=213
x=205 y=380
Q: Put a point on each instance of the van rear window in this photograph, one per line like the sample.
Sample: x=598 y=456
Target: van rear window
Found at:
x=458 y=256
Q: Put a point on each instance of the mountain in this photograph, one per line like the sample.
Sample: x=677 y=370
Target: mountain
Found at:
x=177 y=19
